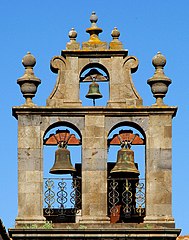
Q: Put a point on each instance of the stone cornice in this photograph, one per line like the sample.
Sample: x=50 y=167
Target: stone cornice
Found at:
x=94 y=54
x=82 y=111
x=103 y=233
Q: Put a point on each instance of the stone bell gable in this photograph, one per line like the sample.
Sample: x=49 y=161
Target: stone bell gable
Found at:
x=97 y=196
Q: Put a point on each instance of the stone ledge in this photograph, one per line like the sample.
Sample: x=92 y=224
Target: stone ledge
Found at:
x=82 y=111
x=96 y=233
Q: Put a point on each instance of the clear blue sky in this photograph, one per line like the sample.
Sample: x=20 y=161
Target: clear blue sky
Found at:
x=42 y=27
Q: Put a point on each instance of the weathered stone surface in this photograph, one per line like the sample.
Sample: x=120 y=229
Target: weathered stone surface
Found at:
x=93 y=232
x=93 y=126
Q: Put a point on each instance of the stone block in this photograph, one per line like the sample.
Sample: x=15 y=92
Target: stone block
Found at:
x=65 y=120
x=94 y=120
x=158 y=158
x=94 y=131
x=159 y=120
x=30 y=159
x=94 y=159
x=168 y=132
x=94 y=143
x=29 y=120
x=29 y=137
x=34 y=177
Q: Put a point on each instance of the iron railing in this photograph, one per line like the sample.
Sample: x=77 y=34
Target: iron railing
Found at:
x=62 y=198
x=126 y=199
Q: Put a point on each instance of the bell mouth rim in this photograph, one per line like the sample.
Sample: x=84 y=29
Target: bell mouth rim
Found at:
x=64 y=171
x=96 y=96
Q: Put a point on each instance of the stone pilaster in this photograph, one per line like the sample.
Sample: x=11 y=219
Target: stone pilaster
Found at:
x=30 y=171
x=94 y=171
x=159 y=170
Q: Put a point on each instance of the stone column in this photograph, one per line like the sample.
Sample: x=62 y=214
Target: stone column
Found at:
x=30 y=171
x=94 y=171
x=159 y=170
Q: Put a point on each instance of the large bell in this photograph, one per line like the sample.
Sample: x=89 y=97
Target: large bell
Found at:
x=94 y=92
x=62 y=164
x=125 y=162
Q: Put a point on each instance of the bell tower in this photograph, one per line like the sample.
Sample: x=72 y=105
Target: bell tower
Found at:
x=95 y=196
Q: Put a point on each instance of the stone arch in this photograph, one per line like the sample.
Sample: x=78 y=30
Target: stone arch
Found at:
x=100 y=75
x=138 y=149
x=94 y=65
x=129 y=124
x=63 y=124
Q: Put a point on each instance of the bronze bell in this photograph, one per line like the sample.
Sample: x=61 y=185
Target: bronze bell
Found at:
x=125 y=162
x=62 y=164
x=94 y=92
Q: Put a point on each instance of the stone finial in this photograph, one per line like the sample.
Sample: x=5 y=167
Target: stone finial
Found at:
x=115 y=43
x=72 y=35
x=115 y=33
x=94 y=41
x=93 y=19
x=159 y=82
x=94 y=30
x=72 y=45
x=28 y=82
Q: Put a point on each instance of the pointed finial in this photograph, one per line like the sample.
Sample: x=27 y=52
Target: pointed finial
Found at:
x=159 y=82
x=28 y=82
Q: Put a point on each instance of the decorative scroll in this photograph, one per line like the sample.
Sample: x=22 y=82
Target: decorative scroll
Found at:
x=75 y=195
x=127 y=196
x=49 y=196
x=140 y=198
x=62 y=196
x=113 y=197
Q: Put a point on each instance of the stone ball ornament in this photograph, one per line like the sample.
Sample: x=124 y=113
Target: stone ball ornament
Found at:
x=72 y=34
x=28 y=60
x=159 y=82
x=28 y=82
x=115 y=33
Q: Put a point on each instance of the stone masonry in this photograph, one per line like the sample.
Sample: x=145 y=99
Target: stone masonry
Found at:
x=94 y=124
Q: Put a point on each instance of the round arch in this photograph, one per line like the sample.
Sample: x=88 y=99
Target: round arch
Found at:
x=94 y=65
x=128 y=124
x=62 y=124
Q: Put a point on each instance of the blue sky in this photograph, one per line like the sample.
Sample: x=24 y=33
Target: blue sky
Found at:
x=42 y=27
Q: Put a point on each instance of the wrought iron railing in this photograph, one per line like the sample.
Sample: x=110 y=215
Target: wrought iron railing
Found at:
x=62 y=198
x=126 y=199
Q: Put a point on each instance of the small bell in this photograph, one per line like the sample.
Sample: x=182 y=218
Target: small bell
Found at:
x=125 y=162
x=62 y=164
x=93 y=92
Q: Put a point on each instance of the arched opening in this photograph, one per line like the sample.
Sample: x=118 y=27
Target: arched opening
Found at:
x=62 y=172
x=126 y=173
x=94 y=85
